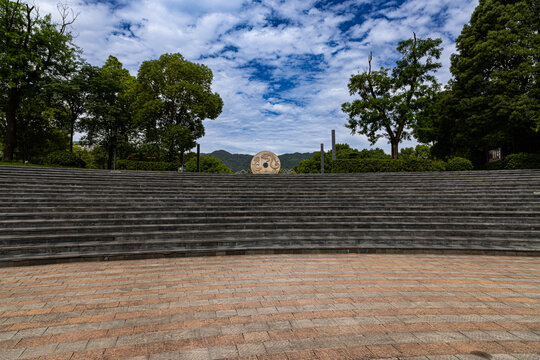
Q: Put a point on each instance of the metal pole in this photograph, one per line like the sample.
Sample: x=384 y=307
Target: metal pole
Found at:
x=333 y=144
x=322 y=158
x=114 y=162
x=198 y=157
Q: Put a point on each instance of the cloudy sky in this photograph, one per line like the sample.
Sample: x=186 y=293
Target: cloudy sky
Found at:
x=281 y=66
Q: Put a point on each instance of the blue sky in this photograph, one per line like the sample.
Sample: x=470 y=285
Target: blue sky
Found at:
x=281 y=67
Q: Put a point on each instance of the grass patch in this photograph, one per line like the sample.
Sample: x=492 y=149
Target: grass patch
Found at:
x=20 y=163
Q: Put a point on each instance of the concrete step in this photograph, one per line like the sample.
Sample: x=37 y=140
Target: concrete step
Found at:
x=44 y=216
x=509 y=207
x=259 y=199
x=367 y=247
x=49 y=215
x=266 y=235
x=232 y=192
x=400 y=241
x=63 y=223
x=263 y=225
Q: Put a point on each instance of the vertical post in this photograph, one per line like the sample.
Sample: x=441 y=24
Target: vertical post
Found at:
x=198 y=157
x=114 y=162
x=333 y=144
x=322 y=158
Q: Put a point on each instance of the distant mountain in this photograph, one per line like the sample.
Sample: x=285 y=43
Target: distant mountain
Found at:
x=238 y=162
x=288 y=161
x=235 y=162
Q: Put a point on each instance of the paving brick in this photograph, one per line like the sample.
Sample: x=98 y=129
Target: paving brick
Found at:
x=11 y=353
x=525 y=335
x=259 y=336
x=264 y=309
x=71 y=346
x=6 y=335
x=96 y=354
x=197 y=354
x=101 y=343
x=301 y=355
x=251 y=349
x=384 y=351
x=525 y=356
x=222 y=352
x=278 y=346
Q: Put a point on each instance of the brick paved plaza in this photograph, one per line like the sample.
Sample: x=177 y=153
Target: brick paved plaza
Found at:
x=274 y=307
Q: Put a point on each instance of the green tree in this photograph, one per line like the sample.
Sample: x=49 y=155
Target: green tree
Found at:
x=32 y=47
x=208 y=164
x=69 y=96
x=493 y=99
x=391 y=102
x=418 y=152
x=173 y=93
x=176 y=140
x=38 y=132
x=109 y=121
x=343 y=151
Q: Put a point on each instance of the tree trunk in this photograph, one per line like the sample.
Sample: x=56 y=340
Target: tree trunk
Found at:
x=110 y=157
x=11 y=125
x=395 y=144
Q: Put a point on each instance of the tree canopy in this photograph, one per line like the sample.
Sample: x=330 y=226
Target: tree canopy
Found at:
x=47 y=92
x=390 y=102
x=493 y=99
x=109 y=120
x=174 y=96
x=32 y=49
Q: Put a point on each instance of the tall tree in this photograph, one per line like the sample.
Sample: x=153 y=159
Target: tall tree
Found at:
x=109 y=121
x=38 y=132
x=31 y=47
x=493 y=99
x=174 y=96
x=69 y=96
x=390 y=102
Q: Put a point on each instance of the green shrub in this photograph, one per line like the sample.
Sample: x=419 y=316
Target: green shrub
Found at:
x=208 y=164
x=459 y=164
x=439 y=165
x=422 y=151
x=308 y=166
x=495 y=165
x=64 y=158
x=343 y=152
x=146 y=165
x=385 y=165
x=522 y=161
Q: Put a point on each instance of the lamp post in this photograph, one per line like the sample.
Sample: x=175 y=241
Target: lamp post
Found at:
x=333 y=144
x=322 y=158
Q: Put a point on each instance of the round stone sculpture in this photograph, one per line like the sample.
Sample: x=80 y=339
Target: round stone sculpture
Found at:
x=265 y=162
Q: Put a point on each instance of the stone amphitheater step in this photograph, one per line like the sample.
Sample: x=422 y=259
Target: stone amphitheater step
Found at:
x=79 y=224
x=49 y=215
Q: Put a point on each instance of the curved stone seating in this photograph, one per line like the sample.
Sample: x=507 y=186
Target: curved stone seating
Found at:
x=51 y=215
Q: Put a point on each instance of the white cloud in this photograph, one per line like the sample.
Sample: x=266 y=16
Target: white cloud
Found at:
x=308 y=54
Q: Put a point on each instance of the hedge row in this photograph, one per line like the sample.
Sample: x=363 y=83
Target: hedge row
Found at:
x=516 y=161
x=146 y=165
x=385 y=165
x=64 y=158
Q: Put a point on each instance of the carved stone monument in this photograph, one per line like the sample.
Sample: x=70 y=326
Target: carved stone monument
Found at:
x=265 y=162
